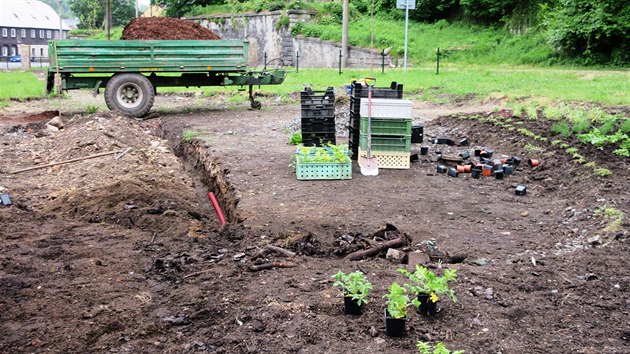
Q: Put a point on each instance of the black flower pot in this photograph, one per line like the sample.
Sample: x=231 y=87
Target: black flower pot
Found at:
x=351 y=306
x=394 y=327
x=427 y=307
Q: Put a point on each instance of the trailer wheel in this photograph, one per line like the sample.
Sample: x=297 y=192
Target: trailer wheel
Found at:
x=256 y=105
x=130 y=94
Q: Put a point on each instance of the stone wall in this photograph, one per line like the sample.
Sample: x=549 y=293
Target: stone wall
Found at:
x=260 y=30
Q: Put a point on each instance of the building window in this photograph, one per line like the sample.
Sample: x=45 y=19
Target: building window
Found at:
x=13 y=32
x=56 y=34
x=5 y=51
x=4 y=32
x=23 y=33
x=41 y=33
x=13 y=51
x=33 y=51
x=32 y=33
x=49 y=34
x=41 y=52
x=65 y=35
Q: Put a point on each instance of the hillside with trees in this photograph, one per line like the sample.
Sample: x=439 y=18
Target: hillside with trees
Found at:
x=585 y=32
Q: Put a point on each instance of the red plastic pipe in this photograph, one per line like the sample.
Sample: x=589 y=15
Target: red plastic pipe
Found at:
x=217 y=208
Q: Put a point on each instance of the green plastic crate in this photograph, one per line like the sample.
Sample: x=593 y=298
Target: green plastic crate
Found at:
x=331 y=170
x=387 y=143
x=387 y=126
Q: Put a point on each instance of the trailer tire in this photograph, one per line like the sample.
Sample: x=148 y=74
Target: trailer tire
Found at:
x=130 y=94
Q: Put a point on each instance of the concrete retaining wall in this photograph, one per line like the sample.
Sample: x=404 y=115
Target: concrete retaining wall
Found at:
x=260 y=30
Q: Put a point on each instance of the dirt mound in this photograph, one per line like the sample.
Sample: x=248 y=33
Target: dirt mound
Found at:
x=144 y=28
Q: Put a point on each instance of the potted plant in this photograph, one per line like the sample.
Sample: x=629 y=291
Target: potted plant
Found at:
x=429 y=287
x=439 y=348
x=355 y=288
x=396 y=311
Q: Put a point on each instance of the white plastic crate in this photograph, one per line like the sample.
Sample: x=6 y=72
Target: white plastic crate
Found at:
x=387 y=108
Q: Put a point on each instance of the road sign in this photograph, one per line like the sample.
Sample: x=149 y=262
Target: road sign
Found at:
x=406 y=4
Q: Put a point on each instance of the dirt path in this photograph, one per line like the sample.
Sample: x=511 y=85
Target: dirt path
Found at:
x=127 y=255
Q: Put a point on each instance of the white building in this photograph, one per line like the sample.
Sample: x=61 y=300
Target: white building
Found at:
x=29 y=23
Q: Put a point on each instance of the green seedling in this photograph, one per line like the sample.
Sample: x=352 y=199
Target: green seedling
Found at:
x=188 y=135
x=295 y=139
x=327 y=154
x=615 y=216
x=439 y=348
x=398 y=301
x=533 y=148
x=354 y=285
x=424 y=281
x=91 y=109
x=603 y=172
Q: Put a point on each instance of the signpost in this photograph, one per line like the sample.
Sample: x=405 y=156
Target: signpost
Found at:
x=406 y=5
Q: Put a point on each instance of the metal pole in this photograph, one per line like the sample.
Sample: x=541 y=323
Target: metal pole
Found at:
x=344 y=28
x=437 y=72
x=340 y=56
x=108 y=15
x=60 y=23
x=383 y=62
x=406 y=30
x=297 y=61
x=265 y=61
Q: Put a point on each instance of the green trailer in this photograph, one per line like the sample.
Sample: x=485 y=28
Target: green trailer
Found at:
x=131 y=70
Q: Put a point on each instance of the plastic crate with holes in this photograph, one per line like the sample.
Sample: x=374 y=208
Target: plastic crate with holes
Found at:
x=329 y=162
x=386 y=126
x=310 y=138
x=312 y=100
x=386 y=143
x=390 y=160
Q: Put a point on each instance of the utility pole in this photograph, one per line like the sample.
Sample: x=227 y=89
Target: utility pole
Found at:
x=60 y=22
x=108 y=16
x=344 y=32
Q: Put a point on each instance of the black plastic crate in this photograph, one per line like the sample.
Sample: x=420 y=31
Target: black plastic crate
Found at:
x=318 y=112
x=353 y=135
x=325 y=120
x=354 y=148
x=355 y=120
x=395 y=90
x=318 y=138
x=318 y=125
x=317 y=99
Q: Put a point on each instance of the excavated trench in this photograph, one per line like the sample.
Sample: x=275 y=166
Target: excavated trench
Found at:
x=207 y=172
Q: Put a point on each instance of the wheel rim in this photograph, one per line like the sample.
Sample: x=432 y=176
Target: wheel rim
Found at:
x=129 y=95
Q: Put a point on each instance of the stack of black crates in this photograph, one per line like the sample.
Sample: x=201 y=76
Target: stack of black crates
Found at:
x=395 y=91
x=318 y=117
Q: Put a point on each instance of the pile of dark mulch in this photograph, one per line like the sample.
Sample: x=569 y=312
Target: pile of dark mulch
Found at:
x=143 y=28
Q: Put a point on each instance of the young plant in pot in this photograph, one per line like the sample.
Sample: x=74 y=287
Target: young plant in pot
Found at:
x=355 y=288
x=429 y=287
x=396 y=311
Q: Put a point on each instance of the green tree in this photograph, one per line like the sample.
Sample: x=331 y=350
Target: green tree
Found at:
x=179 y=8
x=596 y=30
x=488 y=10
x=91 y=13
x=122 y=11
x=65 y=7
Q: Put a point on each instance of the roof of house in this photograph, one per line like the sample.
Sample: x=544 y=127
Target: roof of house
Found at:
x=28 y=14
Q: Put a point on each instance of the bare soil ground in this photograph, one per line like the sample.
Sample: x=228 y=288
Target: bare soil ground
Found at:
x=127 y=254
